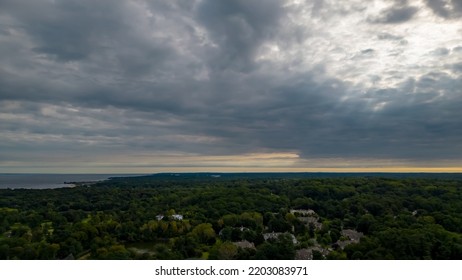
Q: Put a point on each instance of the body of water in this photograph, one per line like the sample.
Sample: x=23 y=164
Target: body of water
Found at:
x=50 y=181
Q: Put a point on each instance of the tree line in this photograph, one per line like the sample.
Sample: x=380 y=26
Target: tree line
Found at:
x=231 y=218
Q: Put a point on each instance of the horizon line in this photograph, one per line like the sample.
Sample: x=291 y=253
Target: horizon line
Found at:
x=232 y=172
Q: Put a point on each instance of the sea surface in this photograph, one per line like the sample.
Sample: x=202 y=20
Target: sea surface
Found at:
x=51 y=181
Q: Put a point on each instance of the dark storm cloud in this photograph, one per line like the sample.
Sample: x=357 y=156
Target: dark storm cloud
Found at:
x=89 y=80
x=415 y=122
x=67 y=30
x=103 y=34
x=239 y=28
x=102 y=38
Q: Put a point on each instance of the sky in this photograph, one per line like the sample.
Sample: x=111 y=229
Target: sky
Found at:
x=244 y=85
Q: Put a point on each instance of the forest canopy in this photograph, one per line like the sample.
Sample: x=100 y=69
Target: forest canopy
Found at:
x=185 y=216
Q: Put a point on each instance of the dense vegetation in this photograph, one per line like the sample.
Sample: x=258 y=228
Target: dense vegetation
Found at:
x=178 y=217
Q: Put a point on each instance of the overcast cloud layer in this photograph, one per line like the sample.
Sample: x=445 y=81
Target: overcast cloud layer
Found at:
x=148 y=86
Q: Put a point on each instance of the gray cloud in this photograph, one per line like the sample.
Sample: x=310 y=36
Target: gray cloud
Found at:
x=440 y=52
x=239 y=28
x=396 y=14
x=457 y=67
x=102 y=82
x=67 y=30
x=445 y=9
x=388 y=36
x=457 y=49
